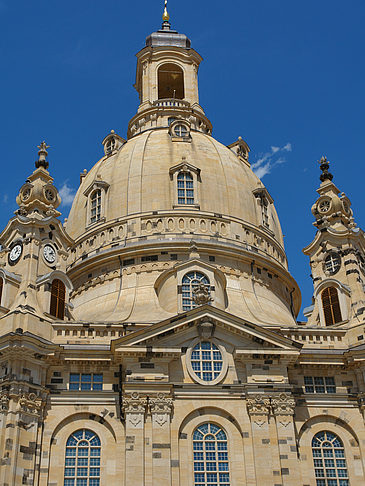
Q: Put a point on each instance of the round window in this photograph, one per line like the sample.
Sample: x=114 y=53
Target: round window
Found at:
x=324 y=205
x=181 y=130
x=332 y=263
x=206 y=362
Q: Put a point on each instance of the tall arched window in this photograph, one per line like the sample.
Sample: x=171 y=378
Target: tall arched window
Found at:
x=331 y=306
x=211 y=467
x=170 y=82
x=1 y=289
x=185 y=188
x=95 y=206
x=58 y=296
x=329 y=460
x=190 y=282
x=82 y=461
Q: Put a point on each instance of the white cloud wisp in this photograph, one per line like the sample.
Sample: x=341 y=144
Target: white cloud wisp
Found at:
x=267 y=161
x=67 y=194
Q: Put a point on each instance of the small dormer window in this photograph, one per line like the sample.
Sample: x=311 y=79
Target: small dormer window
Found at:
x=185 y=188
x=110 y=146
x=181 y=130
x=95 y=206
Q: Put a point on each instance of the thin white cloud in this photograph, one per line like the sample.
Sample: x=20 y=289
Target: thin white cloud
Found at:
x=67 y=194
x=5 y=198
x=267 y=161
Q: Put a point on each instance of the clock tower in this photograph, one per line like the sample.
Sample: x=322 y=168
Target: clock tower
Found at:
x=34 y=253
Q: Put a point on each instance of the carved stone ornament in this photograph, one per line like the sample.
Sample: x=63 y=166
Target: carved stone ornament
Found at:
x=4 y=402
x=258 y=405
x=206 y=329
x=283 y=404
x=201 y=295
x=161 y=404
x=133 y=403
x=31 y=404
x=161 y=408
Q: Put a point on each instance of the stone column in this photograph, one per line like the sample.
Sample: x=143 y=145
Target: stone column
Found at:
x=21 y=418
x=161 y=408
x=134 y=408
x=283 y=406
x=258 y=407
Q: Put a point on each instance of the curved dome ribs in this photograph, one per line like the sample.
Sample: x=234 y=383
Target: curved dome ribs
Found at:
x=170 y=188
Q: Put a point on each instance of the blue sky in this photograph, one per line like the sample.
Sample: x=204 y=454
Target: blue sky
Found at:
x=287 y=76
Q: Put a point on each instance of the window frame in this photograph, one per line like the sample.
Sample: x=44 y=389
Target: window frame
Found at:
x=331 y=307
x=94 y=384
x=58 y=299
x=310 y=383
x=214 y=452
x=322 y=459
x=72 y=458
x=194 y=172
x=189 y=366
x=209 y=285
x=90 y=191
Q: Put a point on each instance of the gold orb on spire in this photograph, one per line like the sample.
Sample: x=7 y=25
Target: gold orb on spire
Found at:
x=165 y=15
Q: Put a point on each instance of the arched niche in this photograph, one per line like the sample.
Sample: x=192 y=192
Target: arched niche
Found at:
x=170 y=81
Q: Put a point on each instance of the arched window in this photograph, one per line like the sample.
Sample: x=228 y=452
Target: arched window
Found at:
x=58 y=296
x=1 y=289
x=170 y=82
x=82 y=461
x=190 y=282
x=329 y=460
x=331 y=306
x=185 y=188
x=95 y=206
x=211 y=465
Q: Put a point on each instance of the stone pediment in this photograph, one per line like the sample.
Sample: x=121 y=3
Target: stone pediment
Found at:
x=171 y=335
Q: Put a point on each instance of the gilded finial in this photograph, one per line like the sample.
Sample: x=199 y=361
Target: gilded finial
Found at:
x=165 y=16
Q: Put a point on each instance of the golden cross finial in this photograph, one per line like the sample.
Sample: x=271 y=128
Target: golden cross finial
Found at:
x=165 y=16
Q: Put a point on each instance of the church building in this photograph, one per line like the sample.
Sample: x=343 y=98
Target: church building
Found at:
x=152 y=338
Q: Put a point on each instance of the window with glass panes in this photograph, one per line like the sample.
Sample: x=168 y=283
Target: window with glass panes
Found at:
x=319 y=384
x=185 y=188
x=206 y=361
x=95 y=201
x=211 y=466
x=82 y=461
x=329 y=460
x=190 y=282
x=86 y=381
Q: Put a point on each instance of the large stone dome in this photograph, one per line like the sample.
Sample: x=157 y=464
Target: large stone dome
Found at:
x=173 y=204
x=139 y=181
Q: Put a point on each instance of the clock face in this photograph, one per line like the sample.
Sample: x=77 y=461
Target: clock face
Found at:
x=15 y=253
x=49 y=254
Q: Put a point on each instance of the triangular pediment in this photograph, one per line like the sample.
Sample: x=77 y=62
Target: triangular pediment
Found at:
x=174 y=333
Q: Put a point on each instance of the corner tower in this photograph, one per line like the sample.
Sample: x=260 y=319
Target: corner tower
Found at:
x=337 y=259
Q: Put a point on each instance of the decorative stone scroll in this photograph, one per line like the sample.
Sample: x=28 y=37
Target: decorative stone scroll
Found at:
x=258 y=407
x=161 y=409
x=134 y=407
x=283 y=404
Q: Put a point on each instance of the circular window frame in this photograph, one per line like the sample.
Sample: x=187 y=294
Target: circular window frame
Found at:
x=325 y=199
x=189 y=367
x=326 y=271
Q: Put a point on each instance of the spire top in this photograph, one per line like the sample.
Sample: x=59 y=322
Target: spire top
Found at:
x=42 y=154
x=165 y=15
x=324 y=166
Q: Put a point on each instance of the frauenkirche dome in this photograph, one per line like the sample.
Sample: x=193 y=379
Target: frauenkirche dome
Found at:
x=172 y=199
